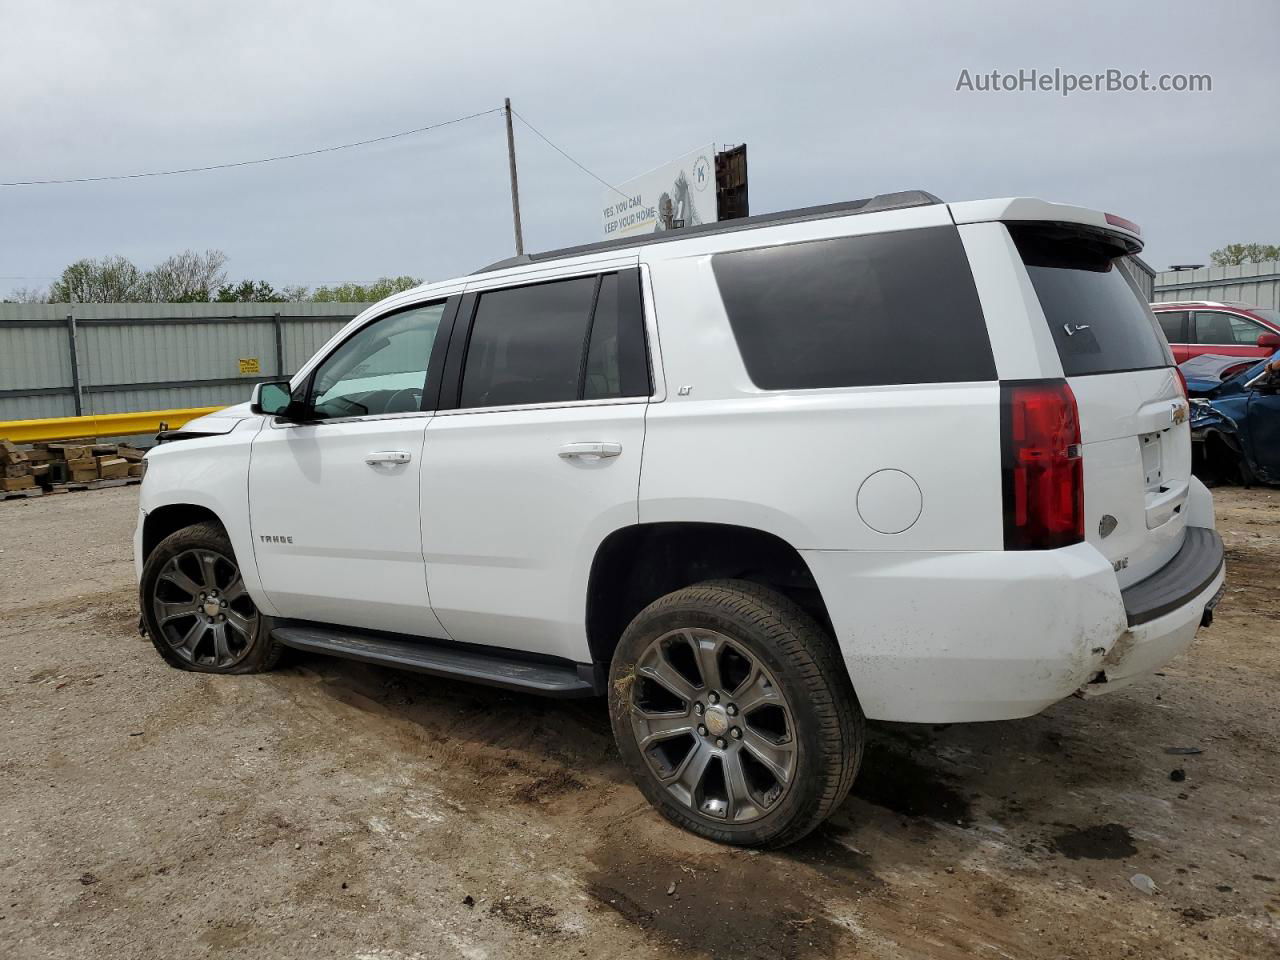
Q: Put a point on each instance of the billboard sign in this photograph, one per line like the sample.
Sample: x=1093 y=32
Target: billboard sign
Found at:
x=681 y=193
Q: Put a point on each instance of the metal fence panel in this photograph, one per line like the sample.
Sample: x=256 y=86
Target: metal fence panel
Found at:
x=159 y=352
x=37 y=407
x=1142 y=274
x=302 y=340
x=34 y=357
x=170 y=398
x=1255 y=283
x=151 y=356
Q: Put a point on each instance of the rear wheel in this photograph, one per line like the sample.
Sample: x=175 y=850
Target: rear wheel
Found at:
x=734 y=713
x=196 y=609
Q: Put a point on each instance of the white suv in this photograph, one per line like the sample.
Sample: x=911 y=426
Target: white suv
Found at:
x=754 y=481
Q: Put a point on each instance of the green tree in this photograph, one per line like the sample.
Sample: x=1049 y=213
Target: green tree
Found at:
x=249 y=291
x=364 y=293
x=1234 y=254
x=186 y=277
x=105 y=280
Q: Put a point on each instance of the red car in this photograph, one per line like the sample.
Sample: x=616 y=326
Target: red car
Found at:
x=1225 y=328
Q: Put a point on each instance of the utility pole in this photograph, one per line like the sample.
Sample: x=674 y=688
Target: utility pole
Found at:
x=515 y=186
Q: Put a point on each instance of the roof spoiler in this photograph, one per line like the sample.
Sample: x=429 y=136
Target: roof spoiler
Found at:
x=1032 y=210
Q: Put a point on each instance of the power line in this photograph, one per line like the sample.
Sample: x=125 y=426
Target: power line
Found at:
x=566 y=156
x=249 y=163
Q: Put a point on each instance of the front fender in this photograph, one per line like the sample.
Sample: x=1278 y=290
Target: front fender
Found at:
x=211 y=472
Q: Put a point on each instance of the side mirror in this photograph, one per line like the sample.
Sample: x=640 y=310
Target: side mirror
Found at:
x=1269 y=341
x=273 y=399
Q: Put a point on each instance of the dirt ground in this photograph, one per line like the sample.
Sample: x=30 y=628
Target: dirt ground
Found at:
x=330 y=809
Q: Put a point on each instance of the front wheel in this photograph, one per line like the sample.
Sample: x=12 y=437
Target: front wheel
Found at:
x=734 y=713
x=196 y=609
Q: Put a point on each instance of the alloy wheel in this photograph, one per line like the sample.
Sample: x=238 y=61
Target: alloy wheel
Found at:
x=713 y=725
x=203 y=610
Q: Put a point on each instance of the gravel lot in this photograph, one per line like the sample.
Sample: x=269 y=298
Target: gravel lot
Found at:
x=330 y=809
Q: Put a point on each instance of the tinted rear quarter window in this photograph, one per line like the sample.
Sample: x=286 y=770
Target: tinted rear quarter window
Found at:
x=1099 y=321
x=887 y=308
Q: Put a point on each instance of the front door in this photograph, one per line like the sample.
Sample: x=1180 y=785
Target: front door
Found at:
x=538 y=462
x=334 y=501
x=1226 y=334
x=1261 y=431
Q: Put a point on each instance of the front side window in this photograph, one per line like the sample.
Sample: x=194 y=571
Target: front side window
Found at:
x=380 y=370
x=556 y=342
x=1225 y=329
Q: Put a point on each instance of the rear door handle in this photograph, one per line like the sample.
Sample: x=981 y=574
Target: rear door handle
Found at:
x=388 y=456
x=596 y=449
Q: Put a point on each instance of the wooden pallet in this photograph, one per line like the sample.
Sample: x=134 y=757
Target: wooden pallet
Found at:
x=21 y=494
x=75 y=486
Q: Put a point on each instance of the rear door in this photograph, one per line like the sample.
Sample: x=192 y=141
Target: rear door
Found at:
x=1174 y=325
x=1133 y=416
x=539 y=459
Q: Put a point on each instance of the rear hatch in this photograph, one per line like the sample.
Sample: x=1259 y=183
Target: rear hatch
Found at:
x=1133 y=415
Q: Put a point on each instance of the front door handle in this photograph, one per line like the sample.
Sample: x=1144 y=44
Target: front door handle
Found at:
x=597 y=450
x=387 y=456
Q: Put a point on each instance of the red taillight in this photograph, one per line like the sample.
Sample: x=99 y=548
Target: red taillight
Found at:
x=1182 y=384
x=1043 y=471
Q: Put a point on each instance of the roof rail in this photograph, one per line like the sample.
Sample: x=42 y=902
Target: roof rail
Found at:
x=883 y=201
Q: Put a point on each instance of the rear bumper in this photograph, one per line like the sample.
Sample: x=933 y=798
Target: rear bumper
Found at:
x=1148 y=646
x=1178 y=582
x=1164 y=611
x=995 y=635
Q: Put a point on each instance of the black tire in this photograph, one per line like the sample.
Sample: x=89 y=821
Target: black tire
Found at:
x=823 y=739
x=220 y=647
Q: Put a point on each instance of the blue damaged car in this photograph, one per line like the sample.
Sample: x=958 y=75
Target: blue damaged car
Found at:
x=1235 y=418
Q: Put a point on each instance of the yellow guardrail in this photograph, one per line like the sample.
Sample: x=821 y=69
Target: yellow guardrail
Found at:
x=100 y=425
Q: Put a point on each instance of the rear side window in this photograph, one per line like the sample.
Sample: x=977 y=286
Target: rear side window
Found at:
x=857 y=311
x=556 y=342
x=617 y=361
x=1099 y=321
x=1174 y=325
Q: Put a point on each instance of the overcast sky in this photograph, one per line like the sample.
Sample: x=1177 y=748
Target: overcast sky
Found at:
x=835 y=101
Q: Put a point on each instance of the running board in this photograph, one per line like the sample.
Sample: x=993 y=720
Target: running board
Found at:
x=493 y=667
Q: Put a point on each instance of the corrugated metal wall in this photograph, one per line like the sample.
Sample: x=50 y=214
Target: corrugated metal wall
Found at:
x=1141 y=273
x=1255 y=283
x=147 y=356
